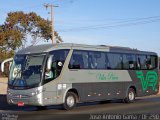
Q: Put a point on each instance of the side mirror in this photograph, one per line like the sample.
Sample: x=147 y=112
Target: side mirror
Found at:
x=49 y=62
x=5 y=61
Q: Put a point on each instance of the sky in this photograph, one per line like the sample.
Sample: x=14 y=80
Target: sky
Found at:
x=128 y=23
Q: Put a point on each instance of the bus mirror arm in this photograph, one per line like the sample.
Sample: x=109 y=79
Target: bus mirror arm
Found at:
x=5 y=61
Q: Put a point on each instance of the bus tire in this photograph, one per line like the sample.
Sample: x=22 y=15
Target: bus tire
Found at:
x=70 y=101
x=130 y=98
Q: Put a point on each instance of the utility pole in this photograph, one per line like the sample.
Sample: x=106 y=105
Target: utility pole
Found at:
x=52 y=18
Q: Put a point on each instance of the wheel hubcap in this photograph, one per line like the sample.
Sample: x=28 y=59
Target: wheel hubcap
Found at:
x=131 y=96
x=70 y=101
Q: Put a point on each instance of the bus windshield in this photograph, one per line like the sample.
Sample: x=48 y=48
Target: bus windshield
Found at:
x=26 y=70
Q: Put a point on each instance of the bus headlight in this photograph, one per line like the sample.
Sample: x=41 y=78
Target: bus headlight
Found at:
x=37 y=92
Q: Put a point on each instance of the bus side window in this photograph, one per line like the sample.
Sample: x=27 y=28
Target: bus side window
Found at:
x=114 y=60
x=93 y=63
x=101 y=62
x=107 y=65
x=131 y=65
x=154 y=62
x=138 y=63
x=148 y=62
x=56 y=65
x=92 y=60
x=129 y=61
x=79 y=60
x=143 y=62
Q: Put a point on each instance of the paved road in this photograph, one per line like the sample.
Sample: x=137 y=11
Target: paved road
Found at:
x=147 y=105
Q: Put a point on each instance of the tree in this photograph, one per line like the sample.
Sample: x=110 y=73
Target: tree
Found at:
x=18 y=26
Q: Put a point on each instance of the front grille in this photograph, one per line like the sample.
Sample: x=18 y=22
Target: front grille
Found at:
x=18 y=96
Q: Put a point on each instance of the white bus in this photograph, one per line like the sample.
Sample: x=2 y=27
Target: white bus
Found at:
x=67 y=74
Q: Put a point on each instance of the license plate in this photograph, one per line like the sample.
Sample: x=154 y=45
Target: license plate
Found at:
x=20 y=104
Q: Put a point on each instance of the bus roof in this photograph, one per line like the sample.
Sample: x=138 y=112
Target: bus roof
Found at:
x=50 y=47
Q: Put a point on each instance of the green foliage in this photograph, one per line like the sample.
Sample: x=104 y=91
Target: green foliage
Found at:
x=18 y=25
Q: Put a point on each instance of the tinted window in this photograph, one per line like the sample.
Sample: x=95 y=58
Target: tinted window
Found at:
x=129 y=61
x=88 y=60
x=114 y=61
x=142 y=60
x=26 y=71
x=79 y=60
x=58 y=59
x=154 y=61
x=59 y=55
x=148 y=62
x=104 y=60
x=97 y=60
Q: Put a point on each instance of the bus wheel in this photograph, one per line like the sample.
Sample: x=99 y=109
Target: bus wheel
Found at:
x=130 y=96
x=70 y=101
